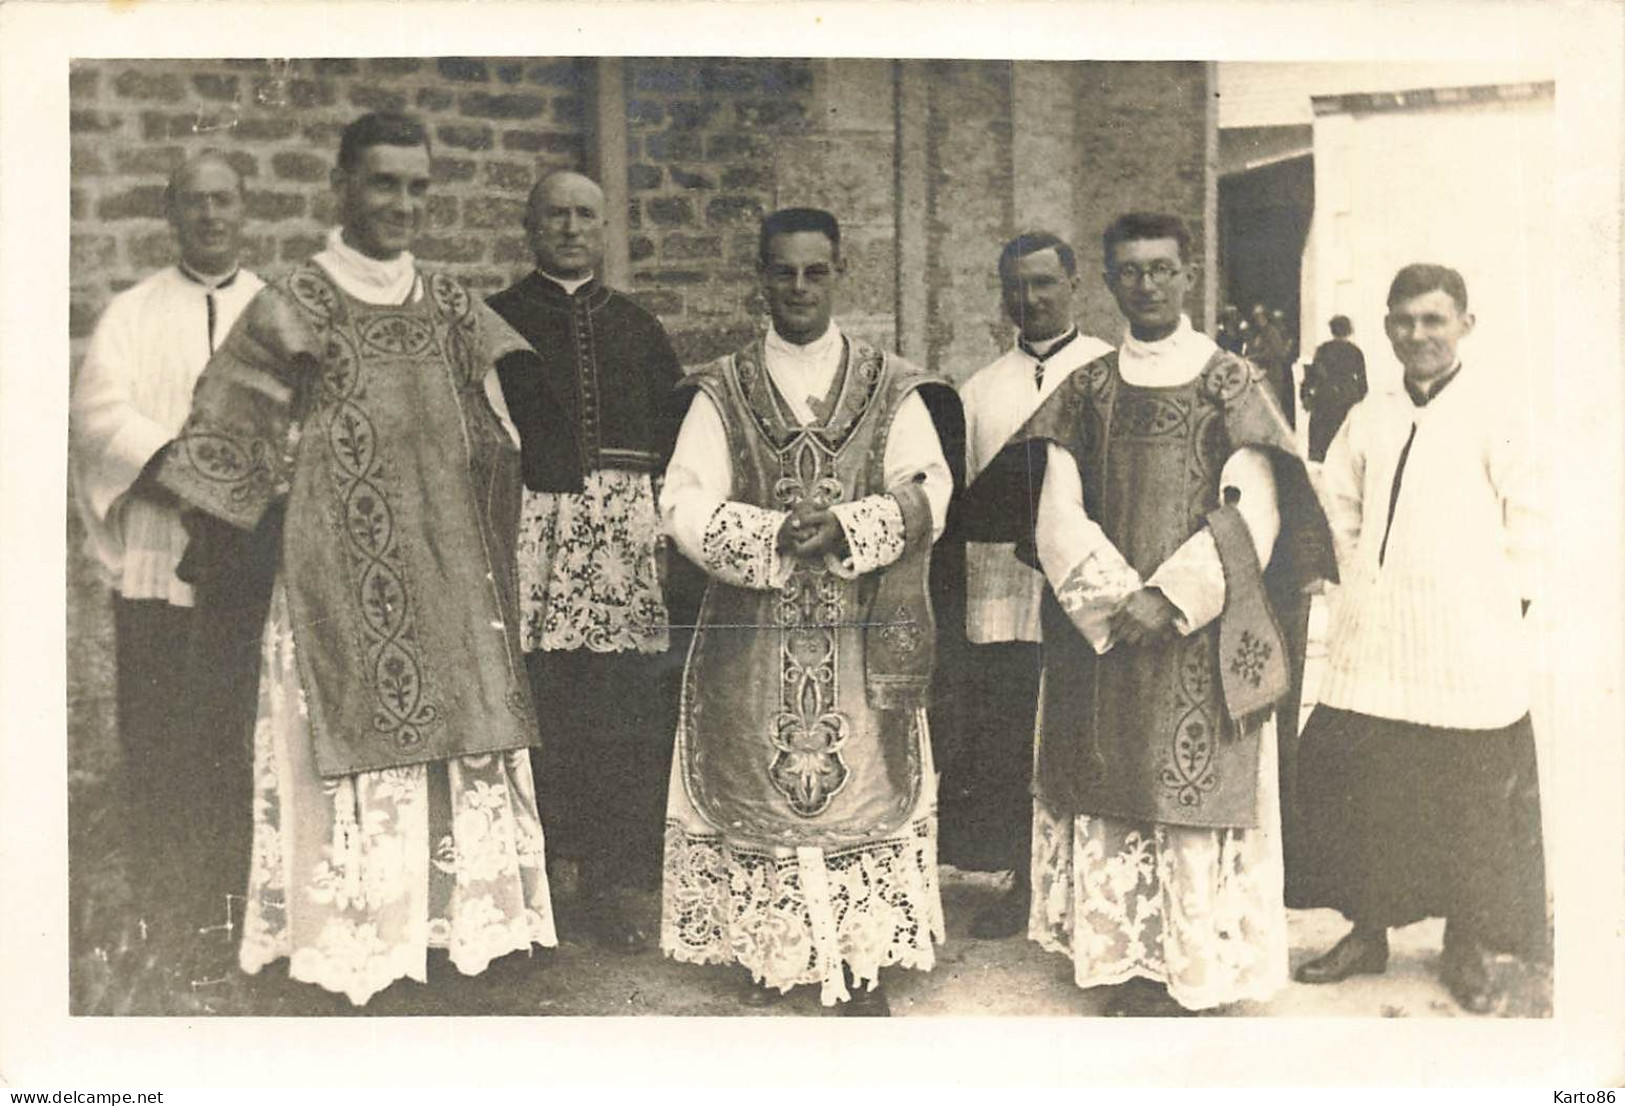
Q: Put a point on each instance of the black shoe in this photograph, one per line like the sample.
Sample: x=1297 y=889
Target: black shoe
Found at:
x=612 y=927
x=758 y=996
x=1006 y=917
x=1360 y=952
x=1464 y=970
x=866 y=1004
x=1141 y=998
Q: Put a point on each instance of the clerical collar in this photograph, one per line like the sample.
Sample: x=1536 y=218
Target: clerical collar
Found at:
x=1422 y=395
x=779 y=346
x=570 y=285
x=212 y=283
x=1044 y=348
x=367 y=278
x=1134 y=347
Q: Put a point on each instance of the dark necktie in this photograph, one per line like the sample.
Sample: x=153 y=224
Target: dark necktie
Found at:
x=208 y=296
x=1419 y=398
x=1038 y=369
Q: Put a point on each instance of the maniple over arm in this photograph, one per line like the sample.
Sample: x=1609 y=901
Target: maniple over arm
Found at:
x=1089 y=575
x=733 y=541
x=1192 y=578
x=918 y=486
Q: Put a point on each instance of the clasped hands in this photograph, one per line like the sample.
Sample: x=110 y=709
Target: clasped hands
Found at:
x=811 y=531
x=1144 y=616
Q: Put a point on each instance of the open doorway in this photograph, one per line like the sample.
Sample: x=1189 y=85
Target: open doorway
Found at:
x=1263 y=223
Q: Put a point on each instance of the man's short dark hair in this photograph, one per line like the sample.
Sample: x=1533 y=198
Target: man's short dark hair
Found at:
x=1030 y=242
x=1140 y=225
x=1341 y=327
x=1421 y=278
x=792 y=220
x=379 y=128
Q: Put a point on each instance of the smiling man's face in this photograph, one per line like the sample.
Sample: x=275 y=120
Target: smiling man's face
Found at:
x=799 y=275
x=382 y=199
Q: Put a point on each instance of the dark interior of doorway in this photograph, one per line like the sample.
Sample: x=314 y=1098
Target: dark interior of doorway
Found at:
x=1263 y=223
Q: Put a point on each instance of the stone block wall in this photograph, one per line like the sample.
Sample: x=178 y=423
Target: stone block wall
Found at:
x=930 y=165
x=493 y=123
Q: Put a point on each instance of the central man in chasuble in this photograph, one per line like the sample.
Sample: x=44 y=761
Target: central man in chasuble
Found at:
x=1169 y=477
x=809 y=482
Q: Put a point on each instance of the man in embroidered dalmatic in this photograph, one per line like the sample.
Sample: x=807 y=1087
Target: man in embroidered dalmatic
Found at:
x=809 y=482
x=344 y=424
x=594 y=623
x=1168 y=475
x=1418 y=778
x=183 y=794
x=988 y=697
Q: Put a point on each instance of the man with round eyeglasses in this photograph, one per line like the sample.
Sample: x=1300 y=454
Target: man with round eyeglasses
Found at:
x=1169 y=474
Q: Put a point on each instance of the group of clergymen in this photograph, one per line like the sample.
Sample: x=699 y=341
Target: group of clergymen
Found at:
x=402 y=536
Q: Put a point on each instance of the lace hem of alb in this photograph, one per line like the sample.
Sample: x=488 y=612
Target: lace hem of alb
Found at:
x=360 y=980
x=797 y=918
x=1121 y=913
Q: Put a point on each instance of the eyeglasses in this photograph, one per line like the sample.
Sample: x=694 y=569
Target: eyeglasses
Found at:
x=1129 y=276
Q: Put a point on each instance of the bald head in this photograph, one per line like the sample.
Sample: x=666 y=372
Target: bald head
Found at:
x=204 y=202
x=565 y=225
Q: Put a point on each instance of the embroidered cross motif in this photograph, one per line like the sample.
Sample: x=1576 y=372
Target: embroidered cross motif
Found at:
x=902 y=633
x=1251 y=656
x=807 y=767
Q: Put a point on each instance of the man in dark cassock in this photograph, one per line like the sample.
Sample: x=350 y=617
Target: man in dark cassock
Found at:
x=595 y=627
x=986 y=691
x=1417 y=782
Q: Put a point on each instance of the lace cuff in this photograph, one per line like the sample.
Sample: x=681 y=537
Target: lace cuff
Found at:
x=740 y=546
x=1094 y=591
x=874 y=535
x=1193 y=581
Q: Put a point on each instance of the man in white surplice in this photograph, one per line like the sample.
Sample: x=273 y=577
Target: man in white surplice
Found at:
x=1130 y=878
x=801 y=836
x=987 y=695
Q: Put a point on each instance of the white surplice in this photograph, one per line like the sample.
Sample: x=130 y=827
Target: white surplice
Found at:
x=1199 y=910
x=1002 y=595
x=131 y=396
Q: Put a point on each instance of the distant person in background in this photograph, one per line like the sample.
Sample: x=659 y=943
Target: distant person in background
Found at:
x=1278 y=320
x=1418 y=778
x=131 y=397
x=1267 y=348
x=1332 y=384
x=1232 y=335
